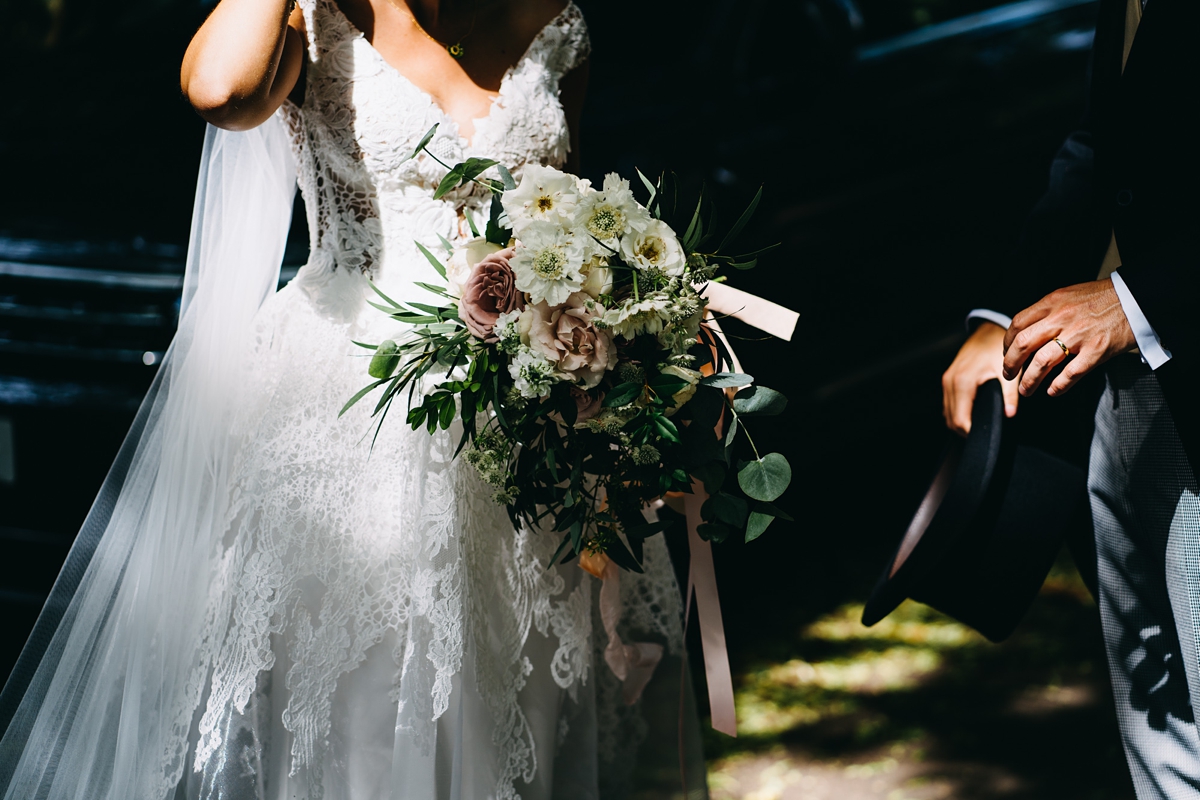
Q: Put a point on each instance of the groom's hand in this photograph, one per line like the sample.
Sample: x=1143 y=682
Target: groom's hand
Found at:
x=979 y=360
x=1087 y=318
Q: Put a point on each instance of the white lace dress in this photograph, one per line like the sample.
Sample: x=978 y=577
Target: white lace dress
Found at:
x=379 y=630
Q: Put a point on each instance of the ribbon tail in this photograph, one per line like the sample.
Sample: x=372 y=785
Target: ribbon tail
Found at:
x=702 y=579
x=756 y=311
x=633 y=664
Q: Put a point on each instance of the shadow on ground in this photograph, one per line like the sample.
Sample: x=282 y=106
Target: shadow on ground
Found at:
x=921 y=707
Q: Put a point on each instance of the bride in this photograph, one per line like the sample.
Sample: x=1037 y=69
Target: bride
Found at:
x=262 y=604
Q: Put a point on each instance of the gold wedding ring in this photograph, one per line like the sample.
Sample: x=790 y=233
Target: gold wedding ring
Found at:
x=1058 y=342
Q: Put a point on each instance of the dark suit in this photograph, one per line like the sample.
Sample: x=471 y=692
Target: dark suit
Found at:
x=1133 y=169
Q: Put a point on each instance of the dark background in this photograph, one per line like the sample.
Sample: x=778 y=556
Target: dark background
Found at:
x=900 y=143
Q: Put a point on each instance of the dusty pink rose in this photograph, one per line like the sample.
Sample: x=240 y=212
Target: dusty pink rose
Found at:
x=489 y=292
x=587 y=405
x=565 y=335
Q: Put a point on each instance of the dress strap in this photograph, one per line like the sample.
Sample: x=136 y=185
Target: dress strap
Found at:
x=563 y=44
x=327 y=26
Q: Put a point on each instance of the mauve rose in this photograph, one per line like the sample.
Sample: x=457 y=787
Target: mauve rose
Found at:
x=489 y=292
x=566 y=336
x=587 y=405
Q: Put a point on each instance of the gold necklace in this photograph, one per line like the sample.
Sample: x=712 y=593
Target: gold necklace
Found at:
x=455 y=50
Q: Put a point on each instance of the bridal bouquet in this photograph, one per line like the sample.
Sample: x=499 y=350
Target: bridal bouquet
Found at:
x=572 y=339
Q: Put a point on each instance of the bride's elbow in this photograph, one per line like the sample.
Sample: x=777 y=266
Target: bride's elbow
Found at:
x=222 y=105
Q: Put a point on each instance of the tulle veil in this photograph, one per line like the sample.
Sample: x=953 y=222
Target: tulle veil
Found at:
x=90 y=706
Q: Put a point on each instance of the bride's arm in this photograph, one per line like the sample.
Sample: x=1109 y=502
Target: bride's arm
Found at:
x=572 y=89
x=244 y=61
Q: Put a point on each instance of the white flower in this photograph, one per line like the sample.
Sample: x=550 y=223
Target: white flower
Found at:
x=597 y=278
x=654 y=248
x=532 y=375
x=512 y=330
x=687 y=312
x=633 y=318
x=544 y=194
x=683 y=395
x=548 y=263
x=609 y=214
x=463 y=260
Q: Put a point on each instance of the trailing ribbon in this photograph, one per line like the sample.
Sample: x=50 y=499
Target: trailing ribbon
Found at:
x=633 y=663
x=751 y=309
x=702 y=580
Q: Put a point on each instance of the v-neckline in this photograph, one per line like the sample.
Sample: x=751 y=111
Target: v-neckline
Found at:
x=433 y=103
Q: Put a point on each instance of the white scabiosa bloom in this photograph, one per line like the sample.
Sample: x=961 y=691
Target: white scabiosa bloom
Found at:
x=543 y=195
x=654 y=248
x=610 y=213
x=532 y=375
x=548 y=265
x=635 y=317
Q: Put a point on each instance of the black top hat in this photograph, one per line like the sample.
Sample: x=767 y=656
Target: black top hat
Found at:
x=988 y=529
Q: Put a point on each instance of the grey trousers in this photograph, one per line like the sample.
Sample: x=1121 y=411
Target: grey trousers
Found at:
x=1147 y=518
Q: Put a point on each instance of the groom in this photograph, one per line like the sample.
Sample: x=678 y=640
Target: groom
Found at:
x=1113 y=252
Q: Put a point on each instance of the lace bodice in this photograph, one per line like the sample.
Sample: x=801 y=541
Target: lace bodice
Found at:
x=367 y=203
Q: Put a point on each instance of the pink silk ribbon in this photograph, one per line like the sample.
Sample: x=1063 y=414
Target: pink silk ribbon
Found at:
x=633 y=663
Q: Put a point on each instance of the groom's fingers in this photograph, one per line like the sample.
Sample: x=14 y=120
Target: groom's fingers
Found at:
x=1045 y=359
x=1011 y=396
x=1083 y=363
x=1024 y=344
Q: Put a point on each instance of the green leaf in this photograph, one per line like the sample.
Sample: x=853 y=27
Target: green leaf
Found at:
x=759 y=401
x=773 y=511
x=379 y=292
x=471 y=223
x=426 y=139
x=650 y=186
x=713 y=531
x=727 y=380
x=751 y=264
x=449 y=248
x=506 y=177
x=712 y=475
x=756 y=524
x=385 y=360
x=495 y=232
x=742 y=220
x=361 y=394
x=622 y=395
x=767 y=478
x=452 y=180
x=437 y=265
x=726 y=508
x=695 y=227
x=666 y=429
x=473 y=167
x=621 y=556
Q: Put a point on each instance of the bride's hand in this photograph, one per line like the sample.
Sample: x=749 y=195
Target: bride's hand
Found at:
x=980 y=359
x=244 y=62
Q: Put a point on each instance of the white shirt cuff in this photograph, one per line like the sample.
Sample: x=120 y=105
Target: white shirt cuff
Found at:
x=1153 y=353
x=978 y=315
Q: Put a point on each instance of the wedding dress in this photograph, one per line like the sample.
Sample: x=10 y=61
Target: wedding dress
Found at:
x=302 y=612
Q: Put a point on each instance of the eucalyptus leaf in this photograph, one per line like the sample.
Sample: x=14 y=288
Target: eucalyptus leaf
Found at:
x=506 y=177
x=711 y=474
x=713 y=531
x=727 y=380
x=385 y=360
x=726 y=508
x=767 y=478
x=756 y=524
x=772 y=510
x=759 y=401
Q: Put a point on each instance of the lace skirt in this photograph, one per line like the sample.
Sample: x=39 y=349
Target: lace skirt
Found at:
x=380 y=630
